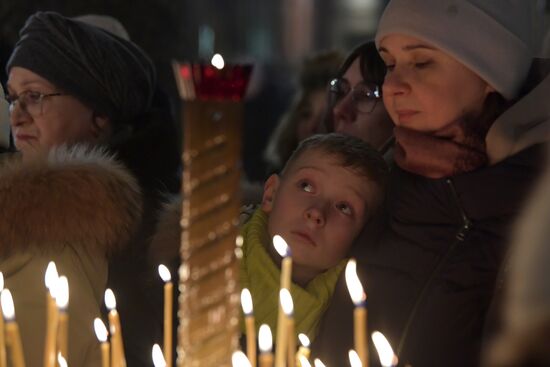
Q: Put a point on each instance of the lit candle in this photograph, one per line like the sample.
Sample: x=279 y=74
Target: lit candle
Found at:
x=158 y=357
x=286 y=273
x=358 y=297
x=62 y=301
x=52 y=317
x=101 y=333
x=318 y=363
x=2 y=338
x=248 y=308
x=117 y=348
x=266 y=346
x=303 y=361
x=239 y=359
x=384 y=349
x=288 y=309
x=168 y=313
x=62 y=362
x=304 y=348
x=217 y=61
x=354 y=359
x=13 y=339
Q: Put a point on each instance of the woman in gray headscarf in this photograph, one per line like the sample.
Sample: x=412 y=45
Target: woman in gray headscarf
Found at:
x=80 y=100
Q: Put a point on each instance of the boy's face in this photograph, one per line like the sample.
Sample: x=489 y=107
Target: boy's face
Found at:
x=319 y=207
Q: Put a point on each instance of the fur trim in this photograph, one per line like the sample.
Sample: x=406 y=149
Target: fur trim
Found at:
x=73 y=196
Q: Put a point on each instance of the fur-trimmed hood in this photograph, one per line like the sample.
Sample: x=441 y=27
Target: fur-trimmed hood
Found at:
x=73 y=196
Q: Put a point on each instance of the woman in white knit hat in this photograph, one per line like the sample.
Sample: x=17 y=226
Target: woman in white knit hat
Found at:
x=469 y=103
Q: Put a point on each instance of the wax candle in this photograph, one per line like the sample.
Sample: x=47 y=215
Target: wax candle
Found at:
x=52 y=315
x=303 y=361
x=168 y=312
x=239 y=359
x=286 y=274
x=62 y=302
x=2 y=337
x=354 y=359
x=248 y=309
x=290 y=334
x=266 y=346
x=358 y=297
x=158 y=357
x=13 y=338
x=117 y=348
x=304 y=348
x=101 y=334
x=384 y=349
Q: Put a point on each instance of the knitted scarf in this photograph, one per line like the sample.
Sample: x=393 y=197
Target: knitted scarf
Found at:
x=262 y=277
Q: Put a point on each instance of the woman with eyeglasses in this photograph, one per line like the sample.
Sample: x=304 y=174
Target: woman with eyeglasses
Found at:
x=469 y=101
x=93 y=160
x=355 y=97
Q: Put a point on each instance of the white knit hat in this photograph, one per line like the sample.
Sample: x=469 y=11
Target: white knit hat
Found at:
x=493 y=38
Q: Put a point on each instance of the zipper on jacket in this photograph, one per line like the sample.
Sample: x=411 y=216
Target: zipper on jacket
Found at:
x=460 y=236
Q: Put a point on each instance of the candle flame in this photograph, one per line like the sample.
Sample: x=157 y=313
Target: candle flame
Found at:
x=51 y=276
x=165 y=273
x=384 y=349
x=239 y=359
x=304 y=340
x=303 y=361
x=62 y=292
x=266 y=339
x=281 y=246
x=286 y=301
x=110 y=300
x=7 y=304
x=61 y=360
x=355 y=288
x=100 y=330
x=318 y=363
x=1 y=281
x=217 y=61
x=354 y=359
x=158 y=357
x=246 y=302
x=239 y=241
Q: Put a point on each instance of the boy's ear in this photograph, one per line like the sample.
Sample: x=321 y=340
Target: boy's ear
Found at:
x=270 y=190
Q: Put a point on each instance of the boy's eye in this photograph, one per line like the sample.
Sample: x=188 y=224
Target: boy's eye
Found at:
x=32 y=96
x=344 y=208
x=390 y=67
x=306 y=186
x=422 y=65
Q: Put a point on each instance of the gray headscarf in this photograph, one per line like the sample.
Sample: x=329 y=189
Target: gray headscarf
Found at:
x=112 y=76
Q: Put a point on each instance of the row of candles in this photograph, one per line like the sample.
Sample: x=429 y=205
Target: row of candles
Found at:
x=286 y=354
x=57 y=321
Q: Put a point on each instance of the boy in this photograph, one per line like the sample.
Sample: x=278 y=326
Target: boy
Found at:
x=330 y=187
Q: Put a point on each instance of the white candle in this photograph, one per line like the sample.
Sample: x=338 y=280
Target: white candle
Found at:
x=248 y=309
x=50 y=279
x=168 y=312
x=239 y=359
x=304 y=348
x=13 y=338
x=384 y=349
x=286 y=275
x=303 y=361
x=101 y=333
x=158 y=357
x=62 y=302
x=358 y=297
x=354 y=359
x=288 y=309
x=117 y=347
x=266 y=346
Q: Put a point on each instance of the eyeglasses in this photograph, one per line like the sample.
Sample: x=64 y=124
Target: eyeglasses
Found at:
x=365 y=95
x=29 y=101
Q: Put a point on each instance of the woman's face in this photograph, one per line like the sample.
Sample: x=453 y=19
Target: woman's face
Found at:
x=373 y=127
x=426 y=89
x=41 y=122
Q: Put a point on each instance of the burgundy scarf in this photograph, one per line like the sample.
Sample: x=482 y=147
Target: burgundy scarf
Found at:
x=458 y=147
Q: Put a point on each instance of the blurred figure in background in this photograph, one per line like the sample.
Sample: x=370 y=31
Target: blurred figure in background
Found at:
x=355 y=97
x=306 y=111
